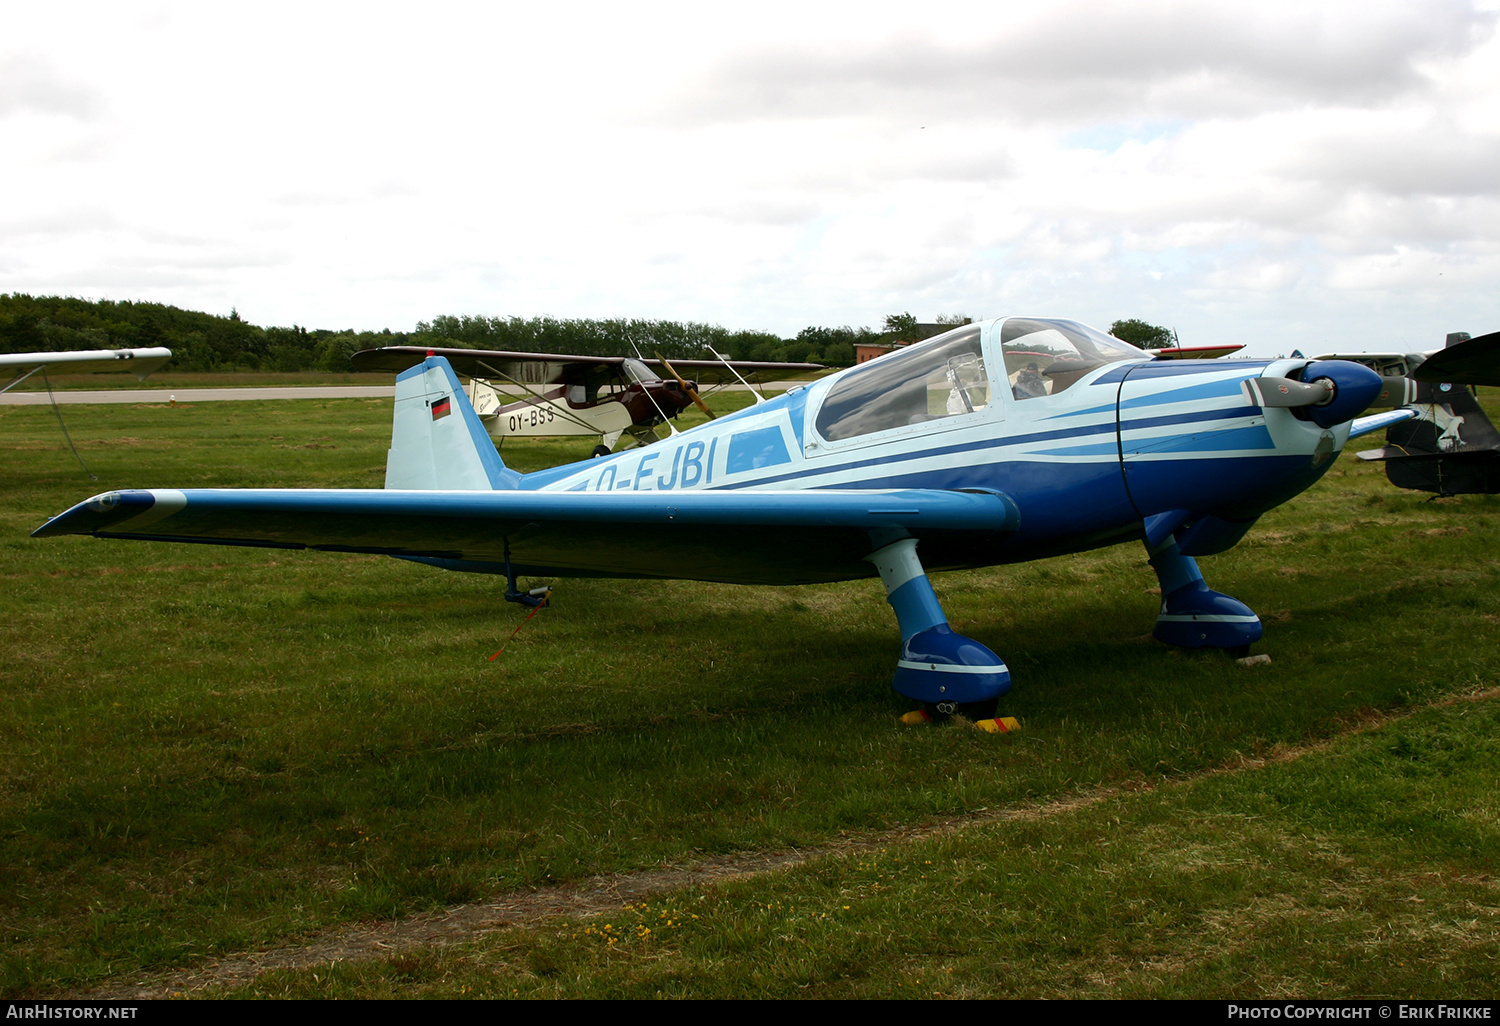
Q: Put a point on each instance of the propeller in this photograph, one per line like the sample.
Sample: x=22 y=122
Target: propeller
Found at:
x=1336 y=391
x=1288 y=393
x=691 y=392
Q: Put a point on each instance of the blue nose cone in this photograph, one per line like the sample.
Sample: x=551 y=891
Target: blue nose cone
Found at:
x=1355 y=388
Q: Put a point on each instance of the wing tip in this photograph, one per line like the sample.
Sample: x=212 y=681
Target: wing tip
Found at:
x=98 y=512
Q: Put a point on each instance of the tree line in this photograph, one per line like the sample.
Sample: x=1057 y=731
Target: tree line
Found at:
x=199 y=341
x=209 y=342
x=622 y=336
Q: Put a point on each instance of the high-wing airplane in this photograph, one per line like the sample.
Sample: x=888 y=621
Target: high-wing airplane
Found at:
x=942 y=455
x=139 y=362
x=1448 y=446
x=608 y=396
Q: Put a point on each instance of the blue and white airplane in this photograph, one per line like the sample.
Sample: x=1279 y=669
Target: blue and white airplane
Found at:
x=1012 y=440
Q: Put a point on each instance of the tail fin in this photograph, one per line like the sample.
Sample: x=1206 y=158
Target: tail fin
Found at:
x=437 y=440
x=1449 y=447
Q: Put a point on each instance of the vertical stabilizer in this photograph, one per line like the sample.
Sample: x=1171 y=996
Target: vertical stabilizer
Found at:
x=437 y=440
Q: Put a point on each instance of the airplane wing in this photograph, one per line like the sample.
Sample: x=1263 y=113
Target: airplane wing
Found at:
x=778 y=537
x=558 y=368
x=1195 y=352
x=1473 y=362
x=139 y=362
x=1376 y=422
x=716 y=372
x=532 y=368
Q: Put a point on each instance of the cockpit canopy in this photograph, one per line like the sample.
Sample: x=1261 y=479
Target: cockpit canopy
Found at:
x=946 y=377
x=942 y=377
x=1045 y=356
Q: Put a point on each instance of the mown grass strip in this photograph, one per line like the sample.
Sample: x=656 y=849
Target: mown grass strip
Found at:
x=1360 y=868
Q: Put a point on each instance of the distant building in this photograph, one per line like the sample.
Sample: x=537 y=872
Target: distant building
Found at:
x=867 y=351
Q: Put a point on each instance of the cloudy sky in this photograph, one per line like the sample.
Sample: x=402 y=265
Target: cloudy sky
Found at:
x=1311 y=174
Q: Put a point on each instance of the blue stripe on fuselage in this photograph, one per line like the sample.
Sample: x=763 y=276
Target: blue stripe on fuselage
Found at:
x=1253 y=437
x=1210 y=390
x=1139 y=423
x=1188 y=393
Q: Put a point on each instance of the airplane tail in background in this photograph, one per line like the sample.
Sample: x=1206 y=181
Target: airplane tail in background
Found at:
x=437 y=440
x=1449 y=447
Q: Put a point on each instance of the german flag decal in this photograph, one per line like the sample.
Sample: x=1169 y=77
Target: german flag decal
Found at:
x=442 y=407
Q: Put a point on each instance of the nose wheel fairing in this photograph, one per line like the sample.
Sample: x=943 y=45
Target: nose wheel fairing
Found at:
x=1192 y=615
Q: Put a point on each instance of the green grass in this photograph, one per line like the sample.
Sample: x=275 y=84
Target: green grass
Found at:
x=210 y=750
x=1361 y=871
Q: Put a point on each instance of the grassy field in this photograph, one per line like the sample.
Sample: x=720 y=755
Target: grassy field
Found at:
x=212 y=751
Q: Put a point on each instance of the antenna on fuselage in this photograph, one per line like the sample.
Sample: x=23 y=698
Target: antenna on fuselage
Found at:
x=725 y=361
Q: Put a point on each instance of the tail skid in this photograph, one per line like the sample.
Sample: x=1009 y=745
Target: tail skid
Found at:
x=437 y=440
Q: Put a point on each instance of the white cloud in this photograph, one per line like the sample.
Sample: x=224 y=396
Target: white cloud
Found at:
x=1087 y=61
x=1220 y=168
x=30 y=83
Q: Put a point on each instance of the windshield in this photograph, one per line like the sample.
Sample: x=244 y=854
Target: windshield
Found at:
x=1045 y=356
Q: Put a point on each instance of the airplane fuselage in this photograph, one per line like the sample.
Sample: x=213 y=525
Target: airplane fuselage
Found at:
x=1087 y=462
